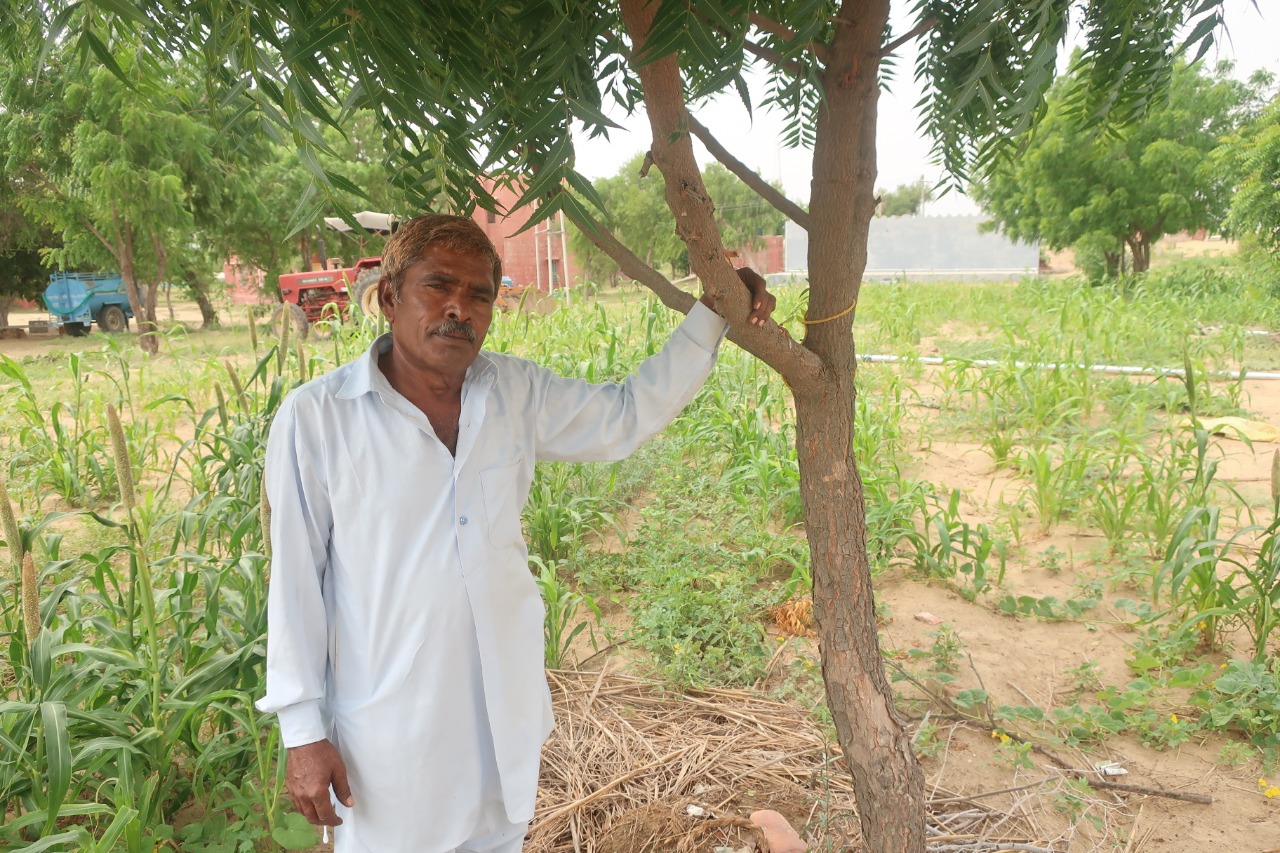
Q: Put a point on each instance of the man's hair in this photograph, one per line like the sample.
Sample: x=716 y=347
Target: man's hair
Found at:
x=415 y=237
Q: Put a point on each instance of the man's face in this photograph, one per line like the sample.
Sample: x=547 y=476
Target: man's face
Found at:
x=446 y=304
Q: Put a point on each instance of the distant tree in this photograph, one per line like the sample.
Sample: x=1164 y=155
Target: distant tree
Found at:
x=22 y=271
x=638 y=215
x=906 y=200
x=1072 y=184
x=116 y=175
x=1250 y=162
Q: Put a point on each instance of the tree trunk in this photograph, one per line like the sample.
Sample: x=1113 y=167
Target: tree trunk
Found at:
x=208 y=314
x=1140 y=248
x=6 y=302
x=1112 y=260
x=148 y=338
x=887 y=779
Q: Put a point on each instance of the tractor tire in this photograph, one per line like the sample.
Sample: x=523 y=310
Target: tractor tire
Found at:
x=112 y=320
x=76 y=330
x=365 y=293
x=296 y=315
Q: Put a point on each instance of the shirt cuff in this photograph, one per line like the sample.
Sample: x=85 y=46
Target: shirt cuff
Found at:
x=705 y=327
x=301 y=724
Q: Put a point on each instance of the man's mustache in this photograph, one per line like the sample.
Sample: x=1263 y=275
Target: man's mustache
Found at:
x=455 y=327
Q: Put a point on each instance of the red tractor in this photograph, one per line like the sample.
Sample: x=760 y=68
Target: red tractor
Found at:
x=327 y=295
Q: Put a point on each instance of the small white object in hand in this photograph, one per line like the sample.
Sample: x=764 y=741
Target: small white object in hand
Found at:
x=326 y=835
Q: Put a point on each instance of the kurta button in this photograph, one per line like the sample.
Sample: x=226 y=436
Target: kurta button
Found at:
x=462 y=520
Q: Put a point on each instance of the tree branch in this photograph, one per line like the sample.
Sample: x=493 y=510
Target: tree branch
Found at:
x=688 y=201
x=772 y=57
x=84 y=220
x=667 y=293
x=785 y=33
x=915 y=32
x=631 y=265
x=784 y=205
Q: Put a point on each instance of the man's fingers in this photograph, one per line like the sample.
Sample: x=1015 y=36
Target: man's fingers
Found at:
x=341 y=787
x=304 y=807
x=325 y=815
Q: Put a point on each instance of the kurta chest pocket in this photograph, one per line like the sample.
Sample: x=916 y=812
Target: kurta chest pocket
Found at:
x=502 y=504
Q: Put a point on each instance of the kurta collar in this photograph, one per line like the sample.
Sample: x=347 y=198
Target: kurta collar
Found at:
x=365 y=375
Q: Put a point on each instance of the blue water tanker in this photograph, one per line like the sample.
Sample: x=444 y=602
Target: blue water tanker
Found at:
x=76 y=300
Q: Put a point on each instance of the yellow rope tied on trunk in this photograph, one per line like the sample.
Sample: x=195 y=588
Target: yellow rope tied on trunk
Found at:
x=832 y=317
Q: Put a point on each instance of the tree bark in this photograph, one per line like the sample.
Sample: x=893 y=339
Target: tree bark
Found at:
x=887 y=779
x=6 y=302
x=1140 y=248
x=1113 y=263
x=148 y=338
x=208 y=314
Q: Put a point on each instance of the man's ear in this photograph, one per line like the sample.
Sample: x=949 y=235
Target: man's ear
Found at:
x=386 y=301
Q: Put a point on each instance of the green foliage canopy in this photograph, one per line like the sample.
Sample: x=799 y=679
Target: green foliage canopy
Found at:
x=1250 y=159
x=1073 y=184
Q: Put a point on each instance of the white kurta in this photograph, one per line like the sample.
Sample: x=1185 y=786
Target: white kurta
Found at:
x=403 y=620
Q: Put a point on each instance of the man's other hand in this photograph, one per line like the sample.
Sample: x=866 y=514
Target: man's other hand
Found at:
x=762 y=301
x=309 y=774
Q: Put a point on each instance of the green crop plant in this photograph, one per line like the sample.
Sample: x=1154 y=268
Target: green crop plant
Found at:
x=562 y=603
x=949 y=547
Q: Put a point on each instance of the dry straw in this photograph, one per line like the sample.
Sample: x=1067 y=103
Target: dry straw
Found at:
x=30 y=598
x=628 y=757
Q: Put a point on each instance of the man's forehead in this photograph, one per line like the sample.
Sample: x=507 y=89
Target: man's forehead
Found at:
x=450 y=264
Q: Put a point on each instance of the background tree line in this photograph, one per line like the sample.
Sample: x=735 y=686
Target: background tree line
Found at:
x=1199 y=157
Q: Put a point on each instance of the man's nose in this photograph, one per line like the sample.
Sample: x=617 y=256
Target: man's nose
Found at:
x=453 y=307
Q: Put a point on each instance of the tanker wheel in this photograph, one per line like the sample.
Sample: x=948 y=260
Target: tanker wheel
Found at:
x=365 y=293
x=112 y=320
x=296 y=314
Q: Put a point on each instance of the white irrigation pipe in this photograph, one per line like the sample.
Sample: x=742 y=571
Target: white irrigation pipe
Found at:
x=1096 y=368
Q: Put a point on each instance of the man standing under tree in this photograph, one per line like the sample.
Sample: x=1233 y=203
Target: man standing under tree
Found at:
x=405 y=656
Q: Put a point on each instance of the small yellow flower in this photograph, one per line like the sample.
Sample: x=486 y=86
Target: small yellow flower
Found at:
x=1222 y=666
x=995 y=734
x=1201 y=625
x=1271 y=793
x=1262 y=783
x=1173 y=718
x=1005 y=738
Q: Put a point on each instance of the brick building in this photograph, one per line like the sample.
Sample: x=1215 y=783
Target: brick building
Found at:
x=535 y=257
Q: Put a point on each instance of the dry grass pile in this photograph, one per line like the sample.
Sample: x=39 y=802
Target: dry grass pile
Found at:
x=627 y=758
